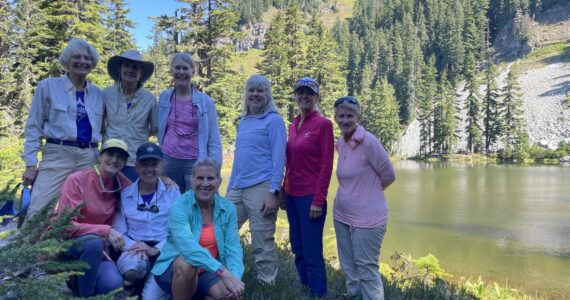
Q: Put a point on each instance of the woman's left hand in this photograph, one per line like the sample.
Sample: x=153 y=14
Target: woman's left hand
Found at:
x=269 y=206
x=315 y=212
x=169 y=183
x=116 y=239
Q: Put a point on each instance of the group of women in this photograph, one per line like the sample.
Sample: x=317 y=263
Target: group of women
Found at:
x=185 y=246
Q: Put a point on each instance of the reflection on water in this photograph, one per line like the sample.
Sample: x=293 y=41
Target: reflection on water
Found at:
x=506 y=223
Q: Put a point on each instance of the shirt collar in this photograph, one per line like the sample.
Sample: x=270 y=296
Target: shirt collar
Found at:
x=70 y=87
x=309 y=116
x=357 y=136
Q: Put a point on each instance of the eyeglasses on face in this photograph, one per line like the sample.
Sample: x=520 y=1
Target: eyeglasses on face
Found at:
x=143 y=207
x=349 y=100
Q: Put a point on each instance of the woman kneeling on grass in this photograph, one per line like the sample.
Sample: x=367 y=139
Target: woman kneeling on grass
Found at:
x=98 y=190
x=202 y=257
x=360 y=212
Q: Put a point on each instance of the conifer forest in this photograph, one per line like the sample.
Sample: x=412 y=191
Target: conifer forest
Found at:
x=403 y=59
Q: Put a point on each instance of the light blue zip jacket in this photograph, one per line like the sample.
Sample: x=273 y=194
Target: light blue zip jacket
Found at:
x=209 y=139
x=184 y=229
x=260 y=151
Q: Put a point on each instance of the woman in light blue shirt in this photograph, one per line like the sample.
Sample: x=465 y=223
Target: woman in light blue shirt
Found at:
x=257 y=172
x=143 y=220
x=67 y=112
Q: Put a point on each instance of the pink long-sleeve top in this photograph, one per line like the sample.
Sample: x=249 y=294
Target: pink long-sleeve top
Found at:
x=310 y=153
x=364 y=171
x=97 y=216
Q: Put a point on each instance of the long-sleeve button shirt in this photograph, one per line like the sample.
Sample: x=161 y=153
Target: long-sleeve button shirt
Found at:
x=209 y=139
x=96 y=217
x=310 y=153
x=185 y=228
x=136 y=225
x=364 y=171
x=134 y=124
x=53 y=115
x=260 y=151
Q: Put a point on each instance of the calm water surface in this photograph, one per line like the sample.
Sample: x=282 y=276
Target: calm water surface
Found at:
x=505 y=223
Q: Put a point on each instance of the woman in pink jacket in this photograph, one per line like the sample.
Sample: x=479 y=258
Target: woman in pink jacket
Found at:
x=98 y=189
x=360 y=212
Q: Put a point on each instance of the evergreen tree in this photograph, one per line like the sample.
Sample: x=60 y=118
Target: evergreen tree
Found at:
x=7 y=80
x=158 y=53
x=295 y=45
x=381 y=116
x=473 y=106
x=324 y=65
x=206 y=28
x=445 y=116
x=29 y=49
x=491 y=107
x=355 y=66
x=118 y=36
x=514 y=136
x=426 y=105
x=275 y=63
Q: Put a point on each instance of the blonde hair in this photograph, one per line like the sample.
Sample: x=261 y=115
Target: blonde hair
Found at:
x=258 y=81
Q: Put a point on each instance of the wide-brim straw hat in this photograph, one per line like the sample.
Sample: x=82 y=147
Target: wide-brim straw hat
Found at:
x=114 y=65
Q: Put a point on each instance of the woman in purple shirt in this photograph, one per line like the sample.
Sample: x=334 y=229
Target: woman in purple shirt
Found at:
x=360 y=213
x=187 y=124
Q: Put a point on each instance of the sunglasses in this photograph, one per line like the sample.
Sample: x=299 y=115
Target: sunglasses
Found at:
x=143 y=207
x=349 y=100
x=308 y=83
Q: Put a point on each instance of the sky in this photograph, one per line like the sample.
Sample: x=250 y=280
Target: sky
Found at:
x=140 y=12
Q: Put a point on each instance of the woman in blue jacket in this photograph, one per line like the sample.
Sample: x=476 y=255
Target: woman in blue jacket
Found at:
x=187 y=124
x=257 y=172
x=202 y=256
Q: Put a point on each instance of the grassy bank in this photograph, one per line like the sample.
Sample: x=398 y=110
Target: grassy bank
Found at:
x=404 y=278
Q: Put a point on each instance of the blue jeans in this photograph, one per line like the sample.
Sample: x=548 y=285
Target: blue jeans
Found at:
x=306 y=236
x=179 y=170
x=101 y=276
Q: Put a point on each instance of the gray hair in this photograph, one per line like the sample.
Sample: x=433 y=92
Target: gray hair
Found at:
x=348 y=102
x=73 y=47
x=185 y=57
x=258 y=81
x=207 y=162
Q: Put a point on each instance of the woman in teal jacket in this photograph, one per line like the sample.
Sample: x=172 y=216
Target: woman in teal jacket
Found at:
x=202 y=255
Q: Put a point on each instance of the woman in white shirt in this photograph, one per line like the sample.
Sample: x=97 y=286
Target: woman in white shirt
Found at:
x=143 y=220
x=67 y=112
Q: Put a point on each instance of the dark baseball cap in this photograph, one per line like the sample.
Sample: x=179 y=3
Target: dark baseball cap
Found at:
x=149 y=150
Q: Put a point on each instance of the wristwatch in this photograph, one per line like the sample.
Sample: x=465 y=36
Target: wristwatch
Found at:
x=274 y=192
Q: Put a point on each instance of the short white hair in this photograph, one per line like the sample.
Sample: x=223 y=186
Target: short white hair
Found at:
x=74 y=46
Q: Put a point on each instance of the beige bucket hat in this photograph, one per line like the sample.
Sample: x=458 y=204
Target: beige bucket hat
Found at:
x=114 y=65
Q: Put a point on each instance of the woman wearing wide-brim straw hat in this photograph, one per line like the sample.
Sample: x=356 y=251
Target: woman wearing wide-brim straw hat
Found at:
x=129 y=107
